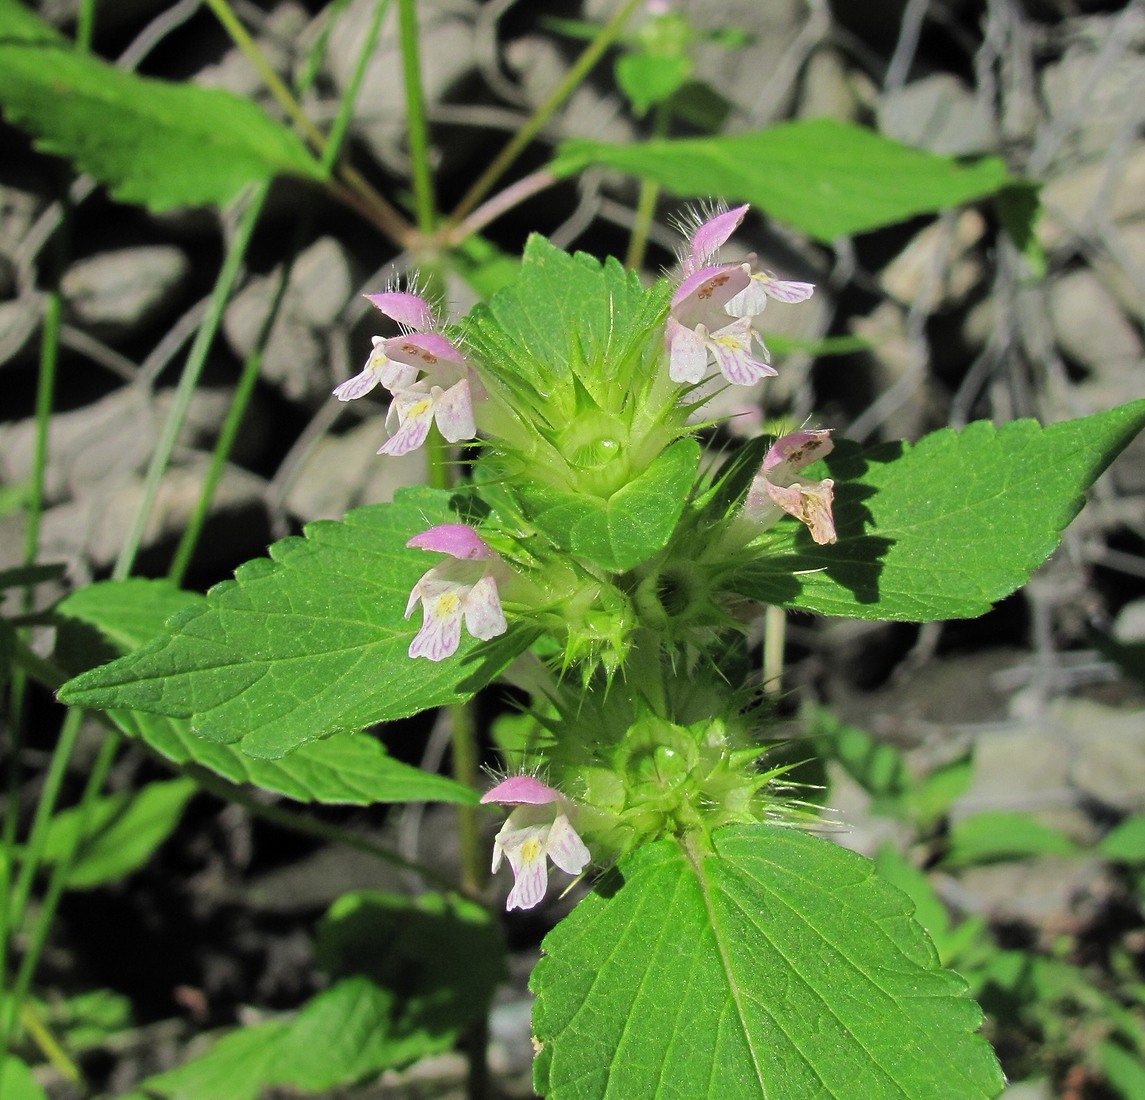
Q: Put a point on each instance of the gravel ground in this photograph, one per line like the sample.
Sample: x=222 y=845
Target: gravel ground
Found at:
x=957 y=331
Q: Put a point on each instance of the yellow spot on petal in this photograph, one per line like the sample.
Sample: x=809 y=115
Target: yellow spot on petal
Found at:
x=446 y=605
x=531 y=850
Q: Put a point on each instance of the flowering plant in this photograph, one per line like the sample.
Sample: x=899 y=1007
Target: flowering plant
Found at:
x=599 y=541
x=605 y=563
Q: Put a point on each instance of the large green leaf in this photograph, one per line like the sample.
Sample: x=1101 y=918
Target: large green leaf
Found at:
x=308 y=643
x=628 y=527
x=349 y=768
x=823 y=176
x=777 y=966
x=397 y=997
x=148 y=141
x=121 y=831
x=942 y=529
x=17 y=1082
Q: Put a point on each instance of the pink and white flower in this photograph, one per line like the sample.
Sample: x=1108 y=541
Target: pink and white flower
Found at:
x=711 y=315
x=424 y=371
x=537 y=830
x=415 y=407
x=775 y=490
x=464 y=588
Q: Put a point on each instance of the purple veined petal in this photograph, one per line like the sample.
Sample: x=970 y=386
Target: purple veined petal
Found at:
x=710 y=236
x=519 y=790
x=455 y=539
x=484 y=618
x=731 y=347
x=565 y=848
x=453 y=412
x=688 y=355
x=396 y=375
x=409 y=310
x=526 y=854
x=782 y=290
x=414 y=413
x=358 y=386
x=440 y=632
x=790 y=453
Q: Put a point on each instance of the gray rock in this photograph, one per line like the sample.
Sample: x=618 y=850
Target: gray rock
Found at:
x=278 y=44
x=1091 y=329
x=344 y=472
x=941 y=114
x=89 y=531
x=104 y=441
x=447 y=55
x=1101 y=191
x=1129 y=626
x=296 y=356
x=1097 y=83
x=829 y=88
x=1050 y=890
x=1121 y=266
x=117 y=293
x=941 y=265
x=19 y=320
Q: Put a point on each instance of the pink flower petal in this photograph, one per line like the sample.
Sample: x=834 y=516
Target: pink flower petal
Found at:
x=358 y=386
x=455 y=539
x=688 y=358
x=710 y=287
x=519 y=790
x=790 y=453
x=810 y=504
x=565 y=848
x=532 y=880
x=484 y=618
x=453 y=412
x=711 y=235
x=414 y=412
x=731 y=347
x=424 y=350
x=407 y=309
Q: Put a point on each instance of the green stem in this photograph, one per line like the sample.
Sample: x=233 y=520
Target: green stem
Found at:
x=85 y=25
x=774 y=633
x=33 y=852
x=230 y=429
x=607 y=35
x=189 y=379
x=11 y=910
x=51 y=676
x=350 y=95
x=63 y=867
x=416 y=128
x=646 y=204
x=357 y=192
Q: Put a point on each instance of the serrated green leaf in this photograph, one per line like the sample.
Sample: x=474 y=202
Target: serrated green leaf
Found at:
x=409 y=1003
x=556 y=325
x=631 y=525
x=148 y=141
x=121 y=833
x=17 y=1082
x=309 y=642
x=943 y=529
x=1126 y=842
x=999 y=835
x=779 y=966
x=825 y=177
x=346 y=768
x=442 y=956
